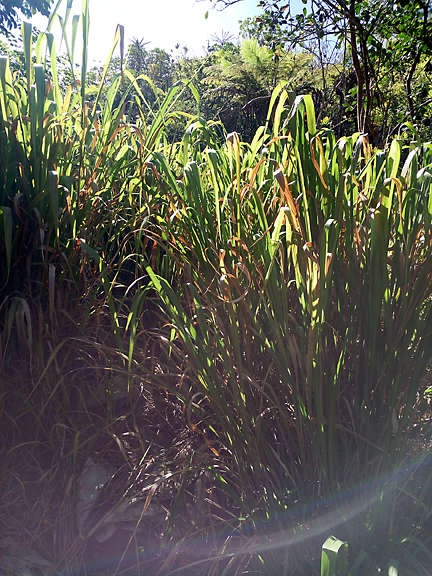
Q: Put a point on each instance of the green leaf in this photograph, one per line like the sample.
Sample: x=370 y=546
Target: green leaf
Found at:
x=334 y=560
x=7 y=225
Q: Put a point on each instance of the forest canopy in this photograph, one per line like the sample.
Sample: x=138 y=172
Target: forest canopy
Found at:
x=382 y=50
x=366 y=63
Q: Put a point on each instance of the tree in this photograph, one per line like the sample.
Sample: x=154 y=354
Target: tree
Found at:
x=381 y=40
x=245 y=76
x=154 y=71
x=137 y=55
x=381 y=34
x=322 y=57
x=9 y=16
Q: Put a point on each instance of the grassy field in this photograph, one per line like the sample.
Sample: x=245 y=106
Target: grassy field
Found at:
x=214 y=353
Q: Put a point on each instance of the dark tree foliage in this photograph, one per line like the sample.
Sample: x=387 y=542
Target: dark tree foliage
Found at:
x=381 y=34
x=382 y=42
x=9 y=12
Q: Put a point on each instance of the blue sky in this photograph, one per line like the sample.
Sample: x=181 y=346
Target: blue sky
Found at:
x=163 y=23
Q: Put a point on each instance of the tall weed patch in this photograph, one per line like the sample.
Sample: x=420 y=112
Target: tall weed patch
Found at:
x=80 y=204
x=230 y=337
x=302 y=329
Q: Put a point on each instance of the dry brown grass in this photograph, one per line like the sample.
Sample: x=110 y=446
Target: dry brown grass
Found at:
x=67 y=405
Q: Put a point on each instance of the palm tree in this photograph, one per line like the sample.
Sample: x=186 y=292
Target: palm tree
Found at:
x=137 y=55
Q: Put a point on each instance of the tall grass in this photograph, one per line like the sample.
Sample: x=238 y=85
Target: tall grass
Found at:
x=80 y=202
x=76 y=181
x=303 y=327
x=241 y=329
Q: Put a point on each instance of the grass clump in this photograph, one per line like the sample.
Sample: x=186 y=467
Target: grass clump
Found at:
x=213 y=352
x=299 y=330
